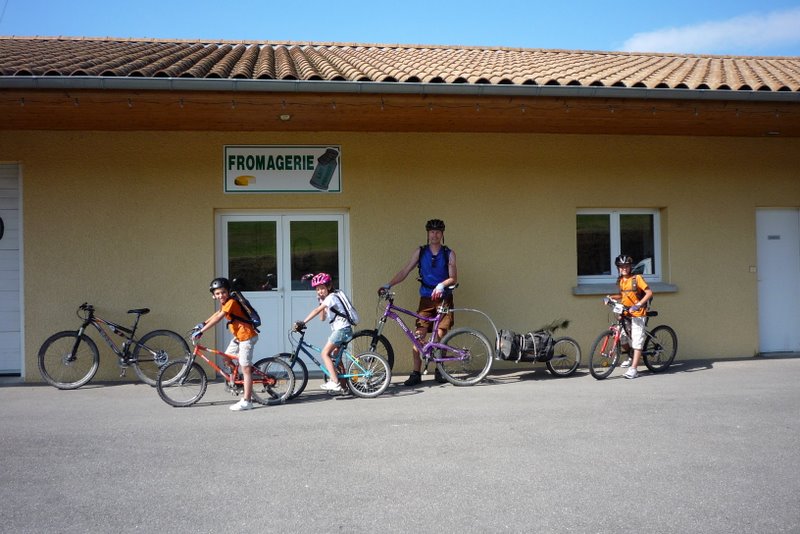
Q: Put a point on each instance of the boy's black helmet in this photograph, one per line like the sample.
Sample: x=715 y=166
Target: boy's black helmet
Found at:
x=623 y=260
x=217 y=283
x=434 y=224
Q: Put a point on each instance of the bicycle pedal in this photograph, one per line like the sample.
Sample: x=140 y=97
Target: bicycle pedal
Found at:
x=123 y=371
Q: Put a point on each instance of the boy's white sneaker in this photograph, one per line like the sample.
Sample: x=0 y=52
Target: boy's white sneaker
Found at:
x=330 y=385
x=632 y=373
x=626 y=363
x=243 y=404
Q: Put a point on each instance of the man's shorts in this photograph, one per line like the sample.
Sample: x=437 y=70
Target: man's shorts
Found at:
x=427 y=308
x=242 y=349
x=341 y=336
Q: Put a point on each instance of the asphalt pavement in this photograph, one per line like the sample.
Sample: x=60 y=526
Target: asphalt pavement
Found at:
x=707 y=447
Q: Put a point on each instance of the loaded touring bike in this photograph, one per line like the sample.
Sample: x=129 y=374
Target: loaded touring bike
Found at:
x=660 y=344
x=70 y=359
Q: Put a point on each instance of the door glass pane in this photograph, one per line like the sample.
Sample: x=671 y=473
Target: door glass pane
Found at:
x=636 y=240
x=314 y=249
x=252 y=253
x=594 y=244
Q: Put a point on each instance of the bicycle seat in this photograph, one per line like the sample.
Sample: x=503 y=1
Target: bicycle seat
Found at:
x=652 y=314
x=140 y=311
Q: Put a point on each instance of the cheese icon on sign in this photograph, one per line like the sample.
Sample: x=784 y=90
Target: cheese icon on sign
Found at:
x=244 y=180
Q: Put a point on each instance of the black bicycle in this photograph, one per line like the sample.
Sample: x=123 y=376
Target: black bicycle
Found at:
x=70 y=359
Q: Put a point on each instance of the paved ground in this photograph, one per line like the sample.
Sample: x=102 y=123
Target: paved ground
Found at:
x=710 y=447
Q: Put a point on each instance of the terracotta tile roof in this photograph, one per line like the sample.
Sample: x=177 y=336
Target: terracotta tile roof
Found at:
x=71 y=57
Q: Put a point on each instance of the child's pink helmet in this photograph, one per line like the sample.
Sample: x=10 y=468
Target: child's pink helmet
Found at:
x=321 y=279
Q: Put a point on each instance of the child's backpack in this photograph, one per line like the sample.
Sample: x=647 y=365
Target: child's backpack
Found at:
x=639 y=292
x=350 y=312
x=252 y=316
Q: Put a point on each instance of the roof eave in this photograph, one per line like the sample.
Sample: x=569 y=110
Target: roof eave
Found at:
x=421 y=88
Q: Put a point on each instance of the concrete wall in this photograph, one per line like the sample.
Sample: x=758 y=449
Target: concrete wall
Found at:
x=125 y=220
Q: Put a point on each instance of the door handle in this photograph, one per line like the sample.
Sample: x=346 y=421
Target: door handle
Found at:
x=2 y=228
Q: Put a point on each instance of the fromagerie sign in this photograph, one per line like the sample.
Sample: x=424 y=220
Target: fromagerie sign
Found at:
x=282 y=169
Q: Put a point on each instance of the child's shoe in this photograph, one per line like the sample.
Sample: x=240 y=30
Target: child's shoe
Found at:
x=330 y=385
x=243 y=404
x=632 y=373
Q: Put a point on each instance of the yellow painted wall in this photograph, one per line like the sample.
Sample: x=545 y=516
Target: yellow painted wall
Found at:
x=127 y=219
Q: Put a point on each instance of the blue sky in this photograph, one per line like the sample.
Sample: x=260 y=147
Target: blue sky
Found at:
x=766 y=27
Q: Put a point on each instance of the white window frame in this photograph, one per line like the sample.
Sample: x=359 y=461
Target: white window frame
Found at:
x=614 y=229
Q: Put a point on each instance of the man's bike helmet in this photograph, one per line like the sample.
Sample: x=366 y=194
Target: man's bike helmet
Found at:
x=623 y=260
x=434 y=224
x=218 y=283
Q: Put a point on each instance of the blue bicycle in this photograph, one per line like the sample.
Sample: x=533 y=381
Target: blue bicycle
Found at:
x=366 y=375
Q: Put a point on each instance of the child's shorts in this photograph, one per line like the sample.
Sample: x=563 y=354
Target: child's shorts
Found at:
x=637 y=332
x=341 y=336
x=242 y=349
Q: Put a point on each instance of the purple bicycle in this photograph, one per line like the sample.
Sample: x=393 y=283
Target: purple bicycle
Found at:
x=463 y=356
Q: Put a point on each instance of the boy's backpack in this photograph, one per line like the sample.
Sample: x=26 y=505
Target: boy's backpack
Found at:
x=639 y=292
x=252 y=316
x=350 y=312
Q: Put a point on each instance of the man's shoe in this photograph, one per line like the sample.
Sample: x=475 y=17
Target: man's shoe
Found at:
x=413 y=379
x=438 y=376
x=626 y=363
x=242 y=405
x=632 y=373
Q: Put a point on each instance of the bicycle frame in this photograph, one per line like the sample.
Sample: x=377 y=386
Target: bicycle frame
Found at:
x=231 y=379
x=426 y=350
x=126 y=333
x=341 y=352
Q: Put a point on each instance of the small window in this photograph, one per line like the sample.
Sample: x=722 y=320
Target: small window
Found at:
x=602 y=235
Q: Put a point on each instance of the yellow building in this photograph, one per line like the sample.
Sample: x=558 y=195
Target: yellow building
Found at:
x=134 y=172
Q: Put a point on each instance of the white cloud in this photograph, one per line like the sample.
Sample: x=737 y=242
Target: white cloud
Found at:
x=739 y=35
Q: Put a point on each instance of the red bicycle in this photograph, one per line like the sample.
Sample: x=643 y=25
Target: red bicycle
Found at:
x=660 y=344
x=183 y=383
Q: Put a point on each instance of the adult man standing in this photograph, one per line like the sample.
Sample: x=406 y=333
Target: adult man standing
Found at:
x=437 y=272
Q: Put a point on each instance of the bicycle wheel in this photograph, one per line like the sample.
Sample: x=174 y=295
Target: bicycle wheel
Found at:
x=273 y=381
x=363 y=342
x=604 y=355
x=67 y=361
x=155 y=350
x=660 y=348
x=180 y=386
x=371 y=375
x=566 y=357
x=477 y=361
x=300 y=371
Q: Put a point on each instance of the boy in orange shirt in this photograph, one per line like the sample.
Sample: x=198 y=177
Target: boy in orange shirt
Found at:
x=245 y=336
x=635 y=300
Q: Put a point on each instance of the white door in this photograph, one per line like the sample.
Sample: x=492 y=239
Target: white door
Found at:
x=10 y=286
x=269 y=254
x=778 y=242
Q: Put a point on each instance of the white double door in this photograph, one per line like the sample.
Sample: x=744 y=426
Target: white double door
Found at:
x=269 y=254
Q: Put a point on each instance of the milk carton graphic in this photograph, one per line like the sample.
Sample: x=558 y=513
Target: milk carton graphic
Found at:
x=326 y=165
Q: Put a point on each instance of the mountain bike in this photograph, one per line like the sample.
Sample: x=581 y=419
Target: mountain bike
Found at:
x=70 y=359
x=366 y=375
x=660 y=344
x=463 y=356
x=182 y=384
